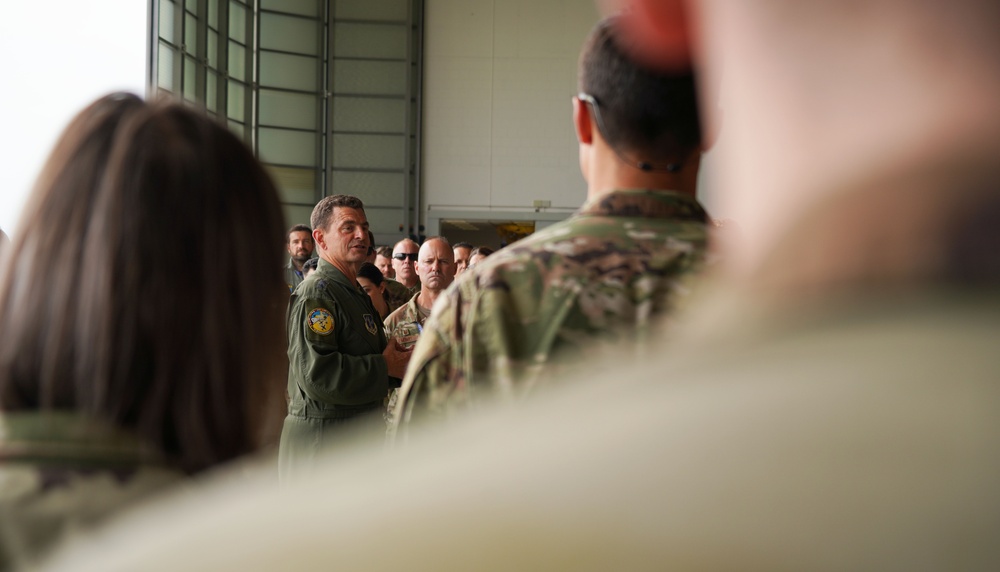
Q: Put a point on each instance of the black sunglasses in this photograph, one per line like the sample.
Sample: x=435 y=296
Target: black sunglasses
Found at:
x=403 y=256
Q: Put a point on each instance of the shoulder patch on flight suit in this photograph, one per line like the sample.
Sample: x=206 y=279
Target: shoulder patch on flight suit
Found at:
x=320 y=320
x=370 y=324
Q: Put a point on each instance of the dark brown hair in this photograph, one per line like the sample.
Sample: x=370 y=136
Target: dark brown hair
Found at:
x=320 y=218
x=484 y=250
x=371 y=272
x=145 y=289
x=641 y=109
x=297 y=228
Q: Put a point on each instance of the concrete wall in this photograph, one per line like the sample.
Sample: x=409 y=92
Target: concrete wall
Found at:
x=497 y=133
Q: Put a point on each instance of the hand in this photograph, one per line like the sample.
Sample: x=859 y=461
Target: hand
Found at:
x=397 y=358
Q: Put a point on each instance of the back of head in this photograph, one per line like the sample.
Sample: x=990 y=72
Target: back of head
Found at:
x=639 y=108
x=146 y=291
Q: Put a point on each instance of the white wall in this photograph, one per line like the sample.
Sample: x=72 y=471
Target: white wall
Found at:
x=56 y=57
x=499 y=76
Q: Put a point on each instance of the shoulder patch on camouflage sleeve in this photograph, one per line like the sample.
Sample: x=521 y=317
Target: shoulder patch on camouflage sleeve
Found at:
x=320 y=320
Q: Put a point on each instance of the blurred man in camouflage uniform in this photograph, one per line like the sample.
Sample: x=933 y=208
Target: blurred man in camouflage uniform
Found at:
x=608 y=269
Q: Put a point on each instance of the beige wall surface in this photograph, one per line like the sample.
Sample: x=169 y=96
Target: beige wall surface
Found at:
x=498 y=79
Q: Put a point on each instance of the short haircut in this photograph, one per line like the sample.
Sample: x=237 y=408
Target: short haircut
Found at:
x=371 y=272
x=439 y=237
x=404 y=241
x=298 y=228
x=463 y=245
x=311 y=264
x=384 y=251
x=167 y=327
x=323 y=210
x=641 y=109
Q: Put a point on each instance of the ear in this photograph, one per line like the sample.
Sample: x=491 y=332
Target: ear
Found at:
x=318 y=238
x=582 y=122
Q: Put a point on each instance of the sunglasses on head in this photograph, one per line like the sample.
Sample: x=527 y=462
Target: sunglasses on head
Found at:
x=403 y=256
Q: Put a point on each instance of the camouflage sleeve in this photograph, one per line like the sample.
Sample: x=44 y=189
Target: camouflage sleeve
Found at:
x=403 y=324
x=436 y=378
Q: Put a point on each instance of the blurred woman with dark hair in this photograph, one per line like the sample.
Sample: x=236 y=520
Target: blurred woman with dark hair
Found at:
x=141 y=327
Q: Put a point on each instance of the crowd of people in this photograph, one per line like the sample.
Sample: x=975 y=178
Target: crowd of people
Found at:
x=609 y=392
x=610 y=272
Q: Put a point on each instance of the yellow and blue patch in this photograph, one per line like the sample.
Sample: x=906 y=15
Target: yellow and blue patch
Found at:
x=320 y=320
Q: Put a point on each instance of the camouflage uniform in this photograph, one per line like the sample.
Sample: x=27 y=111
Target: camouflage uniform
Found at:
x=395 y=294
x=405 y=324
x=336 y=371
x=618 y=261
x=60 y=473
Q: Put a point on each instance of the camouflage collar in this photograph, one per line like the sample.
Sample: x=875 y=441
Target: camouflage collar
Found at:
x=646 y=203
x=69 y=440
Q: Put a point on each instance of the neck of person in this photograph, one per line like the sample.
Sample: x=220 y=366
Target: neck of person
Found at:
x=426 y=298
x=411 y=282
x=607 y=172
x=297 y=265
x=347 y=268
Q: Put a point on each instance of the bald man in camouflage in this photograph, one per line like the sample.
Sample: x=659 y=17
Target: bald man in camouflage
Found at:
x=609 y=269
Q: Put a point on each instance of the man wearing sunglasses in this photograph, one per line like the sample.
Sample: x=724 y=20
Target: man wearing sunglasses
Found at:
x=404 y=255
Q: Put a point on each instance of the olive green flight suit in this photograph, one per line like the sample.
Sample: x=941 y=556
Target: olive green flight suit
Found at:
x=336 y=371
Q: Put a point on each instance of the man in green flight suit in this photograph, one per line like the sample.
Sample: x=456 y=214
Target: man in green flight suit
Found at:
x=340 y=364
x=607 y=271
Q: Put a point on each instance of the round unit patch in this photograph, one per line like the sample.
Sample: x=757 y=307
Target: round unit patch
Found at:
x=320 y=321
